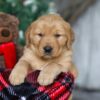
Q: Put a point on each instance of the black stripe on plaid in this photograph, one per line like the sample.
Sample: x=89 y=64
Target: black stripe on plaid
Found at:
x=31 y=90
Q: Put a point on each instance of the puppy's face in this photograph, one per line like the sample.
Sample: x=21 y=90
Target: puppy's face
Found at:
x=49 y=35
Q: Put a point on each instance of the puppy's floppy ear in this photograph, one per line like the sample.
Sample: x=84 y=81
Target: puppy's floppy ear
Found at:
x=27 y=35
x=70 y=39
x=69 y=35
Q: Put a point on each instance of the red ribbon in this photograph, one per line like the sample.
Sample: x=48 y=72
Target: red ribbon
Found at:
x=8 y=50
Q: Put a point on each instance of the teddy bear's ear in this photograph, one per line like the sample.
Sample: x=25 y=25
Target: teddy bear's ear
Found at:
x=8 y=19
x=5 y=35
x=14 y=20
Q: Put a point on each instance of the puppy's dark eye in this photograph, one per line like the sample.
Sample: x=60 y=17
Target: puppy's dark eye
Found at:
x=40 y=34
x=57 y=35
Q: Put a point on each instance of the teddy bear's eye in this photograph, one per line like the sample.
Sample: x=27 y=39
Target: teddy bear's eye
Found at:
x=40 y=34
x=5 y=33
x=57 y=35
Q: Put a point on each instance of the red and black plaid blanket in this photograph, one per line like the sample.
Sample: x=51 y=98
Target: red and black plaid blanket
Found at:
x=31 y=90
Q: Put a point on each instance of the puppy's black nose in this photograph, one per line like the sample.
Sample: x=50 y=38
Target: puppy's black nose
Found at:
x=47 y=49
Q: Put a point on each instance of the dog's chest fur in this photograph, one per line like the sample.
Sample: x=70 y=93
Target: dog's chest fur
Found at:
x=38 y=63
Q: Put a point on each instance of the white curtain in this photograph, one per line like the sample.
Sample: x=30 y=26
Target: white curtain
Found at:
x=87 y=47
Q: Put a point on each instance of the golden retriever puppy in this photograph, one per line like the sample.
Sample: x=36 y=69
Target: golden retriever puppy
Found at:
x=48 y=49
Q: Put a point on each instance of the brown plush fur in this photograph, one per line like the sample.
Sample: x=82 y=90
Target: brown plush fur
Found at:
x=8 y=25
x=49 y=30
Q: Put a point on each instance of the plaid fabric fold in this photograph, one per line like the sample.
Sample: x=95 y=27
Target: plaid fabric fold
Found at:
x=31 y=90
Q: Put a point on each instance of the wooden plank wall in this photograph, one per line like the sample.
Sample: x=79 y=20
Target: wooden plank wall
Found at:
x=72 y=9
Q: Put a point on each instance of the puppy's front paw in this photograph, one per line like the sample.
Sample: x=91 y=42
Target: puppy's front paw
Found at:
x=45 y=79
x=16 y=78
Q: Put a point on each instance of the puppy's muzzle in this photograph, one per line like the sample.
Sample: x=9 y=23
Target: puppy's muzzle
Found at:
x=47 y=49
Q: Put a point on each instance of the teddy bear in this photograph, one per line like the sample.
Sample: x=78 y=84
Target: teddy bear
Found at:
x=8 y=27
x=8 y=33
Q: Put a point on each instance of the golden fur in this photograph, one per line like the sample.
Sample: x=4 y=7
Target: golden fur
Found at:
x=49 y=30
